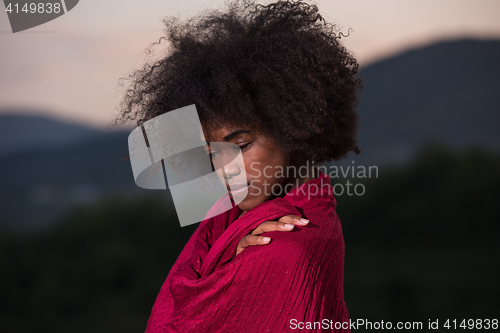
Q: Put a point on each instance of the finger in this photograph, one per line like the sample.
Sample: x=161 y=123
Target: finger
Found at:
x=268 y=226
x=251 y=240
x=294 y=219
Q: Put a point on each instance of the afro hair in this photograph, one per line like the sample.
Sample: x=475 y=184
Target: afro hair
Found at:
x=278 y=67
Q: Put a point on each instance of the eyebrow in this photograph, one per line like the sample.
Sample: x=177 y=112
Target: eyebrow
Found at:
x=235 y=133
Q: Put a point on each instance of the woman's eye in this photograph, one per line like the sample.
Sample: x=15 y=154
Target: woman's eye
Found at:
x=243 y=146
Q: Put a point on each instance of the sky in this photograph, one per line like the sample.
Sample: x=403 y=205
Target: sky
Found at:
x=70 y=67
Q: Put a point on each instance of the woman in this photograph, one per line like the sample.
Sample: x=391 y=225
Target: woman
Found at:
x=275 y=81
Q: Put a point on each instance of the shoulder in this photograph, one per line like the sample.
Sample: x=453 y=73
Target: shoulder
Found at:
x=323 y=234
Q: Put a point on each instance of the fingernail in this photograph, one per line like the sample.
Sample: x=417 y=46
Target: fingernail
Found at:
x=266 y=239
x=289 y=226
x=304 y=221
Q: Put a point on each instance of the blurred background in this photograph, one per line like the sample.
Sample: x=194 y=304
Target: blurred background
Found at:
x=82 y=249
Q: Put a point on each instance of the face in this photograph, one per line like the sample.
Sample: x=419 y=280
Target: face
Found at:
x=255 y=178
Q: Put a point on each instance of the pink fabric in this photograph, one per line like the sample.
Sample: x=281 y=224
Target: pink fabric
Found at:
x=298 y=276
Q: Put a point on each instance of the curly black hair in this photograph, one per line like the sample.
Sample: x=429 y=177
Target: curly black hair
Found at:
x=278 y=67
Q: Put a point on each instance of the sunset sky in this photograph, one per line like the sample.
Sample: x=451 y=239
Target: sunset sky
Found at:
x=69 y=68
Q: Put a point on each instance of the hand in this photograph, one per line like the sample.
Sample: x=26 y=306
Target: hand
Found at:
x=286 y=223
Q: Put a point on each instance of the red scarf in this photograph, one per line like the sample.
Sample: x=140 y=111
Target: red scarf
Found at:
x=293 y=284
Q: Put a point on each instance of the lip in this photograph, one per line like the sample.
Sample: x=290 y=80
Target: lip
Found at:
x=238 y=189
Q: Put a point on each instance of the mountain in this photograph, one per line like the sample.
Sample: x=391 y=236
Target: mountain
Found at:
x=448 y=91
x=56 y=166
x=24 y=130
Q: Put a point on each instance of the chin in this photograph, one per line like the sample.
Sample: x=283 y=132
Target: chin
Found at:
x=245 y=206
x=249 y=203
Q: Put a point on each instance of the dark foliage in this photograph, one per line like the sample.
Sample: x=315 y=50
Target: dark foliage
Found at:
x=420 y=244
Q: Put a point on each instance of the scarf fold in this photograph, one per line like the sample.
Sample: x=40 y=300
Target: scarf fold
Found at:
x=293 y=282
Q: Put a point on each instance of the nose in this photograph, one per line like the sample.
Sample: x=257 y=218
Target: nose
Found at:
x=231 y=170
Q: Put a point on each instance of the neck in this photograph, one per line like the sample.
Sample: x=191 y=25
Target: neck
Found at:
x=296 y=182
x=299 y=181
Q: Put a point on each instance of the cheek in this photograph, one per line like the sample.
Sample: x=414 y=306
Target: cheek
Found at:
x=262 y=178
x=266 y=168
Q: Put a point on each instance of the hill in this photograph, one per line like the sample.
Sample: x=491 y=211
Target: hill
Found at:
x=446 y=92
